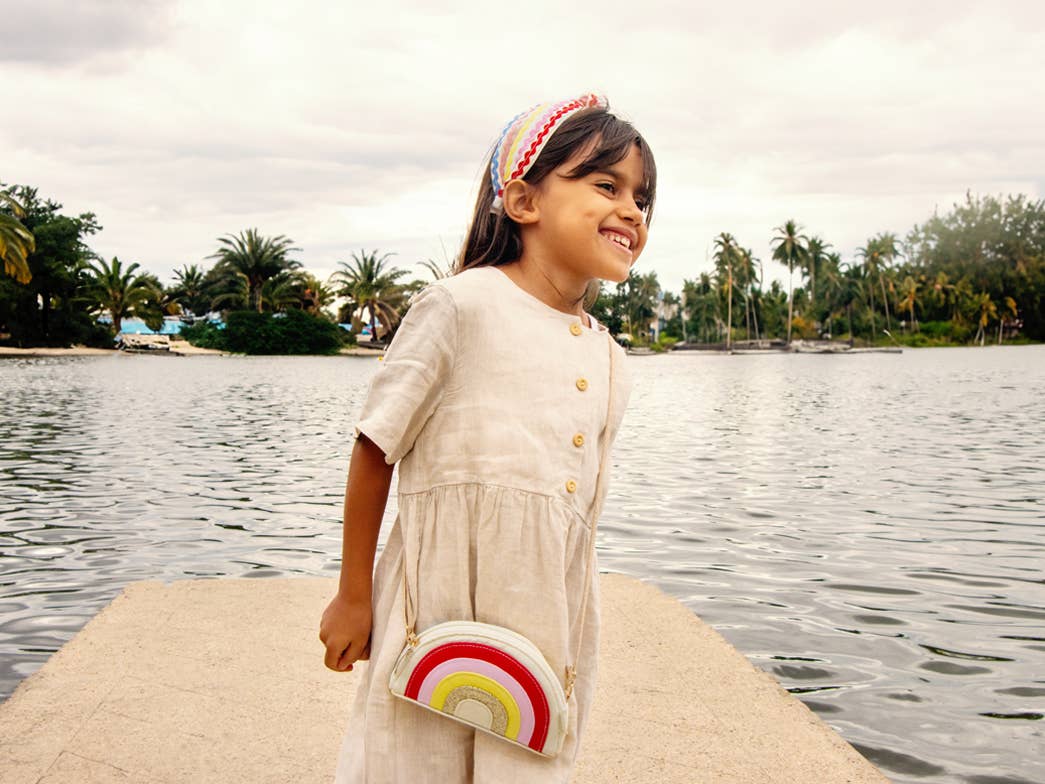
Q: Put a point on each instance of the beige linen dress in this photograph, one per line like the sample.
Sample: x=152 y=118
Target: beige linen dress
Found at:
x=494 y=404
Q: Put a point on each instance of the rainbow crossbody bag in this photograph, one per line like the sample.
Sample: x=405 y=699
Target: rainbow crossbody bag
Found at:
x=490 y=677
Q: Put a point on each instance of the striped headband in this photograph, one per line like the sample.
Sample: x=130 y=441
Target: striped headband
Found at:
x=526 y=135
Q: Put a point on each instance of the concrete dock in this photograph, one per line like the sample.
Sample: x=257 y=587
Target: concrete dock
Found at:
x=223 y=681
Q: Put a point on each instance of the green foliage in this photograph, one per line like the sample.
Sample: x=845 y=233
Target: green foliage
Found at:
x=47 y=310
x=984 y=245
x=120 y=293
x=205 y=335
x=189 y=290
x=16 y=241
x=247 y=261
x=371 y=287
x=293 y=332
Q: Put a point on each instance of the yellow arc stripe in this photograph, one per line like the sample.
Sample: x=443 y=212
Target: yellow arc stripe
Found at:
x=509 y=162
x=490 y=686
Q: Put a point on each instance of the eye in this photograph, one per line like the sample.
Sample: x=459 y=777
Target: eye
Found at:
x=608 y=186
x=642 y=204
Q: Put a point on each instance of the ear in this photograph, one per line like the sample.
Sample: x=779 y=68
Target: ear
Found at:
x=520 y=202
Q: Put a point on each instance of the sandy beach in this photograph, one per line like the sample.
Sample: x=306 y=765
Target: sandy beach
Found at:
x=178 y=348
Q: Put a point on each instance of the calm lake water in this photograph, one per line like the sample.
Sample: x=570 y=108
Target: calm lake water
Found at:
x=870 y=529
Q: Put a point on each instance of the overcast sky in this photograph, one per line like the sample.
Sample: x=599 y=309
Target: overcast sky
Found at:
x=345 y=125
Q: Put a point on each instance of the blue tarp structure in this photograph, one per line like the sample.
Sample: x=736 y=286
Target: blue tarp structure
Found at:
x=172 y=325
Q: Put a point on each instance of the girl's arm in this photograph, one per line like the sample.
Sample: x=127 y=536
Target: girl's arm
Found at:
x=345 y=626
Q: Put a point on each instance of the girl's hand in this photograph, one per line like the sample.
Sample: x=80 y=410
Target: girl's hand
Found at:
x=345 y=630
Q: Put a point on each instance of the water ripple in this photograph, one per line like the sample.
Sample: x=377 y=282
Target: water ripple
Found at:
x=868 y=529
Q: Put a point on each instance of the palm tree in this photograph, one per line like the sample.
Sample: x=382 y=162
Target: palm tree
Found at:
x=986 y=312
x=909 y=298
x=118 y=291
x=747 y=267
x=789 y=248
x=189 y=289
x=281 y=292
x=872 y=255
x=1011 y=313
x=315 y=295
x=832 y=286
x=16 y=241
x=942 y=293
x=816 y=256
x=726 y=255
x=877 y=255
x=438 y=270
x=256 y=259
x=369 y=286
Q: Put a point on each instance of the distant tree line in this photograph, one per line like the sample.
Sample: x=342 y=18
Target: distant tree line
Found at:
x=974 y=273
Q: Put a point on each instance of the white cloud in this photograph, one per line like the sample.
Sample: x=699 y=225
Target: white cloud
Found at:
x=348 y=125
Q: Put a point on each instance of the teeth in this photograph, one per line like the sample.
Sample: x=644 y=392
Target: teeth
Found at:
x=620 y=239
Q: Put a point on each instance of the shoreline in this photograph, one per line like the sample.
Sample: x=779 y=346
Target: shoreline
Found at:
x=178 y=349
x=183 y=349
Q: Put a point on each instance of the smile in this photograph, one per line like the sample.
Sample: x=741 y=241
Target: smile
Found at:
x=616 y=238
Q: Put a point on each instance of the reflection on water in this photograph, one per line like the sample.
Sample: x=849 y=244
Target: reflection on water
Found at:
x=870 y=529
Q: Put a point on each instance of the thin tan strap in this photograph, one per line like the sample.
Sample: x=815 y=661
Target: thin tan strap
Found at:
x=410 y=606
x=600 y=485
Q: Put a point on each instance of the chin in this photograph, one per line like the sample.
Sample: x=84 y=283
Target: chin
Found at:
x=617 y=273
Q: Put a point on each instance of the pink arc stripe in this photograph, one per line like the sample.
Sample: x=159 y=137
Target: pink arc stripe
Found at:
x=494 y=673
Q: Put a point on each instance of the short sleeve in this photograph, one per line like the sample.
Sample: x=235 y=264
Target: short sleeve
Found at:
x=408 y=386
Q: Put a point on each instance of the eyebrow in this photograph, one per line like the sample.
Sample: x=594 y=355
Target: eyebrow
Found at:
x=642 y=191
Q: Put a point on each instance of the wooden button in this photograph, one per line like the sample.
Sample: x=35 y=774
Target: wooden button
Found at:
x=578 y=440
x=582 y=384
x=571 y=486
x=575 y=328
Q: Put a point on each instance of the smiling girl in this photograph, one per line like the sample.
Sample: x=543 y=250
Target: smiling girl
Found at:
x=499 y=398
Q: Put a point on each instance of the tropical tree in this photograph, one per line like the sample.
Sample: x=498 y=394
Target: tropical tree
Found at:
x=909 y=298
x=789 y=248
x=190 y=289
x=1011 y=313
x=878 y=254
x=986 y=312
x=47 y=309
x=370 y=286
x=727 y=256
x=255 y=259
x=16 y=241
x=815 y=258
x=749 y=272
x=438 y=271
x=119 y=292
x=642 y=295
x=282 y=292
x=315 y=295
x=701 y=308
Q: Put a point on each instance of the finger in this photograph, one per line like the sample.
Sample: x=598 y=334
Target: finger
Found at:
x=334 y=655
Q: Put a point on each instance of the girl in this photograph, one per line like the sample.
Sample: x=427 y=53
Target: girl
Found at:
x=494 y=394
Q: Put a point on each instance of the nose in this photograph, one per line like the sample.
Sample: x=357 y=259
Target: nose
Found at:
x=630 y=211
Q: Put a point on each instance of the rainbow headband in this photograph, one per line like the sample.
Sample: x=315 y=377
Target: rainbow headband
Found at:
x=523 y=139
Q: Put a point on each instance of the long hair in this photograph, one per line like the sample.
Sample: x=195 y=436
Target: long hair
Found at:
x=494 y=239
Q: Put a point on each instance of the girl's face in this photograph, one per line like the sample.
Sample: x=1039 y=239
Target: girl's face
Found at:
x=594 y=226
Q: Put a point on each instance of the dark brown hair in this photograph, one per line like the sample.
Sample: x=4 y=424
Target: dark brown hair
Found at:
x=493 y=238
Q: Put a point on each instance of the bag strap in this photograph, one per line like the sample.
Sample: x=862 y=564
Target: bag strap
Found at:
x=600 y=486
x=410 y=608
